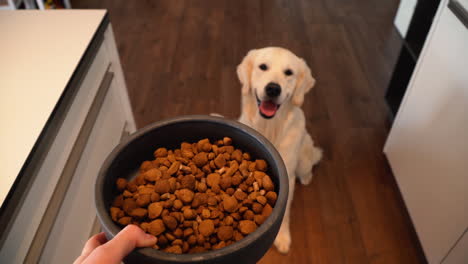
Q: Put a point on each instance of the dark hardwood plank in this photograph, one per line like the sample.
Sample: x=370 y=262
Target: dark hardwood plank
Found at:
x=180 y=57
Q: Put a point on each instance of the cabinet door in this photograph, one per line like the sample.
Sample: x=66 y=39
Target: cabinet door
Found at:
x=74 y=222
x=428 y=144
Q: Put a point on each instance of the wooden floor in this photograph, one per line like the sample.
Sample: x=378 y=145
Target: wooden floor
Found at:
x=179 y=57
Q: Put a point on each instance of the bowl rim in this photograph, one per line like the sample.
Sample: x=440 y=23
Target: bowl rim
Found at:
x=278 y=211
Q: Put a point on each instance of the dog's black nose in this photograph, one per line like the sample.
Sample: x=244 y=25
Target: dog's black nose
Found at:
x=273 y=89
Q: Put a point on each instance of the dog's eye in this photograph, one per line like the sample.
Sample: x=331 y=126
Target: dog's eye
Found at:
x=288 y=72
x=263 y=67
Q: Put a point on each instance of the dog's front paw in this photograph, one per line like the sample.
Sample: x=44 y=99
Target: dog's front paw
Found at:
x=306 y=179
x=283 y=242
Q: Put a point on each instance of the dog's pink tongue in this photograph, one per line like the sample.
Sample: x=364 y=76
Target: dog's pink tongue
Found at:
x=268 y=108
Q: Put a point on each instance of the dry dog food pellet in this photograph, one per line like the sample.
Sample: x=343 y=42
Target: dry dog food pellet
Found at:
x=200 y=197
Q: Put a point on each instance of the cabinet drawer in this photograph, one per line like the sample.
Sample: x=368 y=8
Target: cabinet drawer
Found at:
x=77 y=213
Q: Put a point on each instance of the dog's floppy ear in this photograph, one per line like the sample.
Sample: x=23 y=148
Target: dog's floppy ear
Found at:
x=244 y=71
x=304 y=83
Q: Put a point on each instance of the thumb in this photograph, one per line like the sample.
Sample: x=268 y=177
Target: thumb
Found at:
x=121 y=245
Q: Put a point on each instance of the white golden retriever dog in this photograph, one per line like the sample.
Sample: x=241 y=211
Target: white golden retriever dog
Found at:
x=274 y=82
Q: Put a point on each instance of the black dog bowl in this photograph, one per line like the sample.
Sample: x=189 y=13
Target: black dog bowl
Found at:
x=126 y=158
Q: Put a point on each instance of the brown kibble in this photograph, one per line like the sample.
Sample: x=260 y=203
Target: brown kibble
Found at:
x=225 y=182
x=178 y=233
x=185 y=195
x=144 y=226
x=227 y=141
x=206 y=147
x=201 y=159
x=205 y=213
x=171 y=157
x=206 y=169
x=153 y=175
x=261 y=199
x=146 y=165
x=268 y=183
x=126 y=220
x=156 y=227
x=234 y=166
x=189 y=214
x=220 y=161
x=202 y=187
x=197 y=250
x=206 y=227
x=252 y=167
x=173 y=168
x=216 y=189
x=236 y=216
x=246 y=156
x=140 y=180
x=257 y=208
x=185 y=247
x=154 y=210
x=267 y=209
x=200 y=239
x=237 y=155
x=236 y=180
x=118 y=201
x=259 y=219
x=249 y=215
x=173 y=249
x=188 y=232
x=271 y=197
x=226 y=149
x=213 y=179
x=127 y=194
x=230 y=204
x=240 y=195
x=228 y=220
x=215 y=214
x=225 y=233
x=143 y=200
x=178 y=216
x=177 y=242
x=187 y=153
x=131 y=187
x=177 y=204
x=247 y=226
x=212 y=201
x=260 y=165
x=170 y=237
x=160 y=152
x=188 y=182
x=121 y=184
x=139 y=213
x=155 y=197
x=192 y=240
x=162 y=186
x=230 y=191
x=168 y=204
x=116 y=213
x=162 y=241
x=128 y=205
x=170 y=222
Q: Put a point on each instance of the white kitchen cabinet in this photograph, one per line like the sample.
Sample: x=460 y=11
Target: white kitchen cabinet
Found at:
x=428 y=144
x=58 y=126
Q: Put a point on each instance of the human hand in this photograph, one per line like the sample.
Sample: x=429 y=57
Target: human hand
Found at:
x=99 y=250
